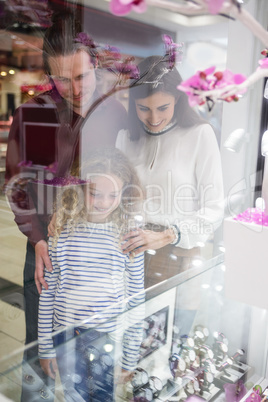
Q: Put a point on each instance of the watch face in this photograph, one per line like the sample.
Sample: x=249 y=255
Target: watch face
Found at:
x=199 y=335
x=144 y=394
x=210 y=353
x=229 y=361
x=209 y=377
x=192 y=355
x=176 y=363
x=144 y=377
x=96 y=368
x=155 y=384
x=196 y=385
x=76 y=378
x=92 y=353
x=212 y=368
x=190 y=342
x=224 y=347
x=148 y=394
x=182 y=365
x=206 y=332
x=106 y=360
x=140 y=378
x=190 y=387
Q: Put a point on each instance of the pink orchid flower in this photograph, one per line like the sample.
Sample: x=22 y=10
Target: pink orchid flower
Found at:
x=208 y=80
x=263 y=63
x=85 y=39
x=127 y=68
x=123 y=7
x=214 y=6
x=173 y=50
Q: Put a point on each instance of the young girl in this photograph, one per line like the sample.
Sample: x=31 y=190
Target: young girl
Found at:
x=91 y=278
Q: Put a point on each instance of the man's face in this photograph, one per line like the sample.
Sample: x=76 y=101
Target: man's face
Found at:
x=75 y=80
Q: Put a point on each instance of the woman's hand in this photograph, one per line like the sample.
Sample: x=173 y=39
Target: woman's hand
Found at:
x=51 y=226
x=138 y=241
x=49 y=366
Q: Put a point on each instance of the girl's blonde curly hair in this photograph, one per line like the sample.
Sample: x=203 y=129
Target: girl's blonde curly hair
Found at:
x=70 y=208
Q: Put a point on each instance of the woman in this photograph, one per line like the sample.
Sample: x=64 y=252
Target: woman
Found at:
x=177 y=159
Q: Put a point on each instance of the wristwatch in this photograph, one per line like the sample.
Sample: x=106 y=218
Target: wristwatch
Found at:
x=220 y=337
x=91 y=353
x=188 y=354
x=199 y=337
x=205 y=351
x=155 y=385
x=143 y=394
x=209 y=366
x=177 y=365
x=203 y=329
x=177 y=234
x=239 y=352
x=140 y=378
x=106 y=361
x=192 y=386
x=186 y=341
x=228 y=362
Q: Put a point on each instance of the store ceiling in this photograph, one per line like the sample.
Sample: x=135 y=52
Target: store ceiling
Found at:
x=23 y=23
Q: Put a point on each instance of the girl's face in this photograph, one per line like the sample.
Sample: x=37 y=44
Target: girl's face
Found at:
x=103 y=196
x=156 y=111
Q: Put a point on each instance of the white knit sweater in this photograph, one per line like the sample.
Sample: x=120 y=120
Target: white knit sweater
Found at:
x=181 y=171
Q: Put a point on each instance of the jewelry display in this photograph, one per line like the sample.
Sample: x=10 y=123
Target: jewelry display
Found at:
x=203 y=329
x=192 y=386
x=177 y=365
x=156 y=385
x=209 y=365
x=220 y=337
x=140 y=378
x=206 y=352
x=220 y=349
x=188 y=354
x=91 y=353
x=143 y=394
x=228 y=362
x=186 y=340
x=199 y=367
x=106 y=361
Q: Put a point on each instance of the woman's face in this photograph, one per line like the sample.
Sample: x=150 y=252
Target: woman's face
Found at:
x=103 y=196
x=156 y=111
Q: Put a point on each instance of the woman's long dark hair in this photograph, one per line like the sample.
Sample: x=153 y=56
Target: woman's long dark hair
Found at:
x=154 y=69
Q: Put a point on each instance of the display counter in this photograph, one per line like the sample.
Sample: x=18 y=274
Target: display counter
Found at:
x=194 y=343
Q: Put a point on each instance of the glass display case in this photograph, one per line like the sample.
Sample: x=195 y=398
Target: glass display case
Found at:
x=199 y=335
x=193 y=344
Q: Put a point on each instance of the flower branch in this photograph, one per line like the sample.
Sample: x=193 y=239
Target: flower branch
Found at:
x=231 y=8
x=210 y=94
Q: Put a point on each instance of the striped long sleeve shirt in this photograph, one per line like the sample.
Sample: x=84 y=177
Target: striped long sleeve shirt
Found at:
x=91 y=283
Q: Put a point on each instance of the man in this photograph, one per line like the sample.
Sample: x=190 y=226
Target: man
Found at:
x=81 y=120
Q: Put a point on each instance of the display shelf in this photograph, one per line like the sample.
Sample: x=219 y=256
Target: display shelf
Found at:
x=186 y=352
